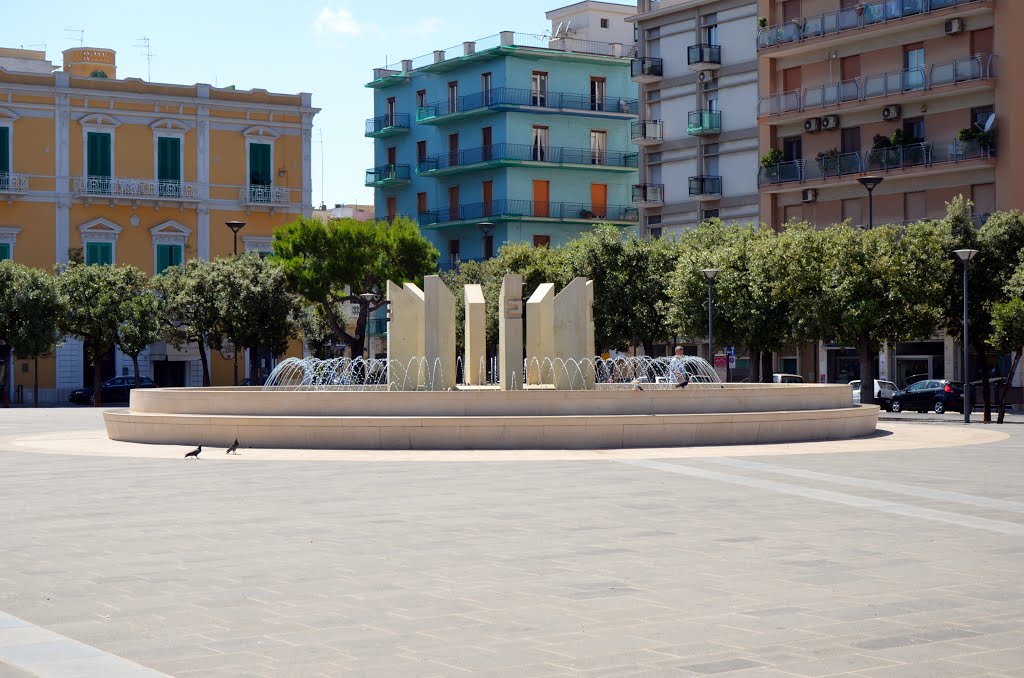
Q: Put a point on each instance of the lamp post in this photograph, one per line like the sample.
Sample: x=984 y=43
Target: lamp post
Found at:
x=235 y=227
x=710 y=274
x=870 y=183
x=486 y=228
x=965 y=257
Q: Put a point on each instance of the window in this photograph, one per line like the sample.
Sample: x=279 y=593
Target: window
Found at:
x=99 y=254
x=453 y=150
x=709 y=214
x=421 y=151
x=98 y=160
x=453 y=249
x=913 y=130
x=392 y=156
x=598 y=94
x=711 y=30
x=392 y=207
x=486 y=140
x=167 y=256
x=711 y=160
x=604 y=23
x=487 y=194
x=539 y=89
x=453 y=203
x=979 y=117
x=792 y=149
x=389 y=112
x=850 y=137
x=453 y=96
x=421 y=202
x=542 y=241
x=8 y=234
x=539 y=144
x=168 y=166
x=913 y=63
x=259 y=164
x=598 y=147
x=655 y=231
x=5 y=251
x=421 y=98
x=5 y=154
x=485 y=88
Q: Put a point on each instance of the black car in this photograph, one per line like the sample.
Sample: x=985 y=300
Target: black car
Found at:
x=936 y=395
x=115 y=390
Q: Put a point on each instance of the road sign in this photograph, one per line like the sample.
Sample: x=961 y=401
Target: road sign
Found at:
x=730 y=351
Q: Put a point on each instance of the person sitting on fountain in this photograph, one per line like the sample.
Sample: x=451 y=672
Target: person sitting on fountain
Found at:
x=677 y=369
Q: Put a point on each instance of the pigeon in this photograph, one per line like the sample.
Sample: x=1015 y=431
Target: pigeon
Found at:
x=638 y=387
x=195 y=452
x=233 y=449
x=684 y=382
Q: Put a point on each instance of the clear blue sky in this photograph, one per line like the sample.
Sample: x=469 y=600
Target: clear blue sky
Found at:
x=328 y=48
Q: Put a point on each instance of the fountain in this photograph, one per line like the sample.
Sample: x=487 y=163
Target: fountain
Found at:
x=556 y=397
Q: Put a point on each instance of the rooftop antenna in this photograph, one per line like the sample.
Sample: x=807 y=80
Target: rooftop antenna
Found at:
x=558 y=30
x=320 y=140
x=81 y=35
x=144 y=40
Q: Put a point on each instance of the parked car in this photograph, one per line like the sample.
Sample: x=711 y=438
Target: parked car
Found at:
x=937 y=395
x=779 y=378
x=884 y=391
x=114 y=390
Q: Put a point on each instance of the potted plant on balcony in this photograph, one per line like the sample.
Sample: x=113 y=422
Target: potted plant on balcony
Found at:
x=828 y=161
x=762 y=22
x=770 y=161
x=882 y=152
x=977 y=135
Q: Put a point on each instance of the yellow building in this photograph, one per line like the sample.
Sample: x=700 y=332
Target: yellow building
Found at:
x=131 y=172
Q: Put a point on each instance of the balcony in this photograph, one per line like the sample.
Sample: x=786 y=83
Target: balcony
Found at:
x=646 y=132
x=515 y=210
x=259 y=194
x=846 y=21
x=512 y=98
x=12 y=184
x=645 y=70
x=704 y=123
x=648 y=195
x=123 y=188
x=972 y=72
x=704 y=57
x=923 y=156
x=520 y=155
x=388 y=176
x=706 y=187
x=389 y=125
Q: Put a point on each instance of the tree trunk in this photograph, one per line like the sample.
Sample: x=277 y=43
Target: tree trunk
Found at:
x=986 y=396
x=5 y=397
x=35 y=382
x=97 y=378
x=206 y=363
x=1006 y=386
x=755 y=365
x=867 y=372
x=766 y=367
x=649 y=347
x=135 y=364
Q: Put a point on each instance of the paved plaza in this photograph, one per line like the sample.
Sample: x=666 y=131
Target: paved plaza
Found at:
x=899 y=556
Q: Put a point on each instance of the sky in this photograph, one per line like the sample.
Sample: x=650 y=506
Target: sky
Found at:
x=327 y=48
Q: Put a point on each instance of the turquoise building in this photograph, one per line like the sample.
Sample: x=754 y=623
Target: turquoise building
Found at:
x=512 y=138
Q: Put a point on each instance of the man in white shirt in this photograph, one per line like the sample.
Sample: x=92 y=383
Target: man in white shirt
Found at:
x=677 y=369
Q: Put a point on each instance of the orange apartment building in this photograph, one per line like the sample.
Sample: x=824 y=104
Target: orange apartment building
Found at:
x=900 y=89
x=124 y=171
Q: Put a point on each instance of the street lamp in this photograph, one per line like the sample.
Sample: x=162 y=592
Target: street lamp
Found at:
x=486 y=228
x=235 y=227
x=965 y=257
x=710 y=274
x=870 y=183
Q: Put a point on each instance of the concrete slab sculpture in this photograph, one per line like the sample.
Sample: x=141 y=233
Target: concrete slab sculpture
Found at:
x=540 y=337
x=510 y=333
x=474 y=366
x=573 y=336
x=406 y=346
x=438 y=335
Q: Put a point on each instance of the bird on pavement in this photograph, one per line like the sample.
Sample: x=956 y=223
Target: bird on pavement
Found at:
x=638 y=387
x=194 y=453
x=233 y=449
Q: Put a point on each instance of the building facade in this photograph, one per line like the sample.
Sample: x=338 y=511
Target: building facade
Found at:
x=697 y=134
x=512 y=138
x=122 y=171
x=919 y=93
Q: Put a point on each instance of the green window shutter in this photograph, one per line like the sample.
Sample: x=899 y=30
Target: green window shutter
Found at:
x=259 y=164
x=5 y=251
x=167 y=256
x=98 y=147
x=99 y=254
x=5 y=149
x=168 y=160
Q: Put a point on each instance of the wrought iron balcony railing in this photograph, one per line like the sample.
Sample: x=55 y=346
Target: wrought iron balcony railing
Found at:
x=384 y=174
x=862 y=15
x=383 y=123
x=525 y=153
x=561 y=211
x=125 y=187
x=13 y=183
x=520 y=97
x=266 y=195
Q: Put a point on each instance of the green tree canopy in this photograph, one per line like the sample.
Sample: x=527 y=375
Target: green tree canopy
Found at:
x=139 y=322
x=339 y=262
x=188 y=308
x=29 y=310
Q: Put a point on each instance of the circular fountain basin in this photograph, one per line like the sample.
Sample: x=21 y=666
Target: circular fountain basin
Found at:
x=489 y=418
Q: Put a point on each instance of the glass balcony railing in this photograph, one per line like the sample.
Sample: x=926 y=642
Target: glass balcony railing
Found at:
x=704 y=54
x=646 y=130
x=645 y=67
x=388 y=174
x=648 y=193
x=702 y=123
x=706 y=185
x=513 y=97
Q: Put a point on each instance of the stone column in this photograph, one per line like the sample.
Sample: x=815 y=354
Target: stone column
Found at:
x=540 y=338
x=510 y=332
x=475 y=365
x=573 y=339
x=438 y=335
x=405 y=337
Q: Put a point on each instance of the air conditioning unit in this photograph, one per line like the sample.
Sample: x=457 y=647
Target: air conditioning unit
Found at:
x=812 y=125
x=830 y=122
x=809 y=195
x=703 y=76
x=954 y=26
x=892 y=112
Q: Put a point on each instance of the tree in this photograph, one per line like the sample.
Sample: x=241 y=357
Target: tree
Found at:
x=998 y=243
x=188 y=309
x=139 y=322
x=253 y=302
x=93 y=300
x=1008 y=337
x=349 y=262
x=316 y=331
x=29 y=310
x=882 y=285
x=629 y=276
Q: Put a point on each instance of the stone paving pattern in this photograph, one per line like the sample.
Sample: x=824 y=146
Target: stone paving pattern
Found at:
x=517 y=569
